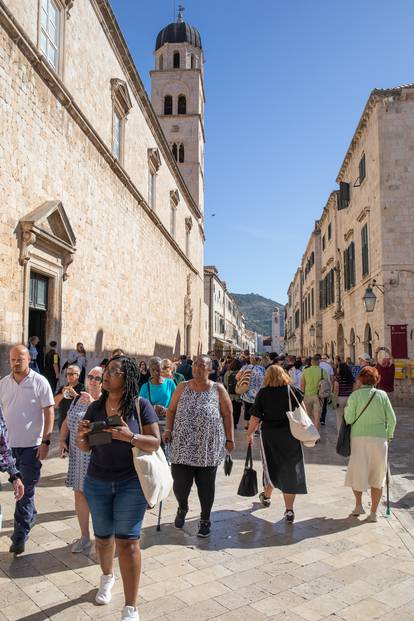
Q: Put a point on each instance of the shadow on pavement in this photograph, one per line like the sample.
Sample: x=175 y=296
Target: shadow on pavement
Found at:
x=42 y=518
x=56 y=609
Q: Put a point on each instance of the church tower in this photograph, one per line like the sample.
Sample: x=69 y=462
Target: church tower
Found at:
x=177 y=95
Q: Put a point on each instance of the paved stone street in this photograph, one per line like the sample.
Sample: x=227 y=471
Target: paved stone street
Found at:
x=327 y=566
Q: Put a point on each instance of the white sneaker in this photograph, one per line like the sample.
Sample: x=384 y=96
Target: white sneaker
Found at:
x=372 y=517
x=81 y=545
x=130 y=613
x=104 y=595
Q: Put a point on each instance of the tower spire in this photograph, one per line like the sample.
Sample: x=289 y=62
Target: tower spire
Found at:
x=180 y=16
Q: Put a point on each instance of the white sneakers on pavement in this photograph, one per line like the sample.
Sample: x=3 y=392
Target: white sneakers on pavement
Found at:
x=130 y=613
x=104 y=595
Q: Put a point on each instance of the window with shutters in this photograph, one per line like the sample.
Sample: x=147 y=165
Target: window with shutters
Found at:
x=362 y=169
x=181 y=153
x=297 y=319
x=168 y=105
x=349 y=266
x=121 y=106
x=365 y=250
x=174 y=151
x=312 y=302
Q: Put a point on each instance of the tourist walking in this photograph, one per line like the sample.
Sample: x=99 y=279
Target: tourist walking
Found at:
x=343 y=386
x=112 y=488
x=7 y=461
x=79 y=460
x=386 y=369
x=282 y=455
x=311 y=378
x=34 y=353
x=168 y=370
x=158 y=390
x=185 y=368
x=144 y=373
x=230 y=383
x=256 y=371
x=373 y=421
x=27 y=402
x=52 y=366
x=326 y=365
x=295 y=373
x=80 y=361
x=68 y=392
x=200 y=428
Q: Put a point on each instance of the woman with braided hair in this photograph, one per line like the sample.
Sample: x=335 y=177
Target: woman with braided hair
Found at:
x=112 y=489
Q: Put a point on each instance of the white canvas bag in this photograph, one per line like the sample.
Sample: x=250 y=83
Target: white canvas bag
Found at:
x=152 y=469
x=301 y=425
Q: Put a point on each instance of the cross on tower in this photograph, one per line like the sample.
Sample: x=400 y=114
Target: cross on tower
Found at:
x=181 y=9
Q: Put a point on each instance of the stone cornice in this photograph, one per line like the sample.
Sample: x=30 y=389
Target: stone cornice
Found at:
x=375 y=96
x=43 y=69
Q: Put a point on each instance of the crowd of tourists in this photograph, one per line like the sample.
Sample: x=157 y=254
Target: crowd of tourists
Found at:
x=191 y=408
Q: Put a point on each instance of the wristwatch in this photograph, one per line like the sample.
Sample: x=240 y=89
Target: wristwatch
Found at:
x=47 y=442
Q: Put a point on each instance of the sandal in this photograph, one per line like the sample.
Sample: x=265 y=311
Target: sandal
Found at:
x=289 y=516
x=266 y=502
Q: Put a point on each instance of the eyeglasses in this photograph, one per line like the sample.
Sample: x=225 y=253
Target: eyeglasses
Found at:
x=69 y=374
x=96 y=378
x=113 y=372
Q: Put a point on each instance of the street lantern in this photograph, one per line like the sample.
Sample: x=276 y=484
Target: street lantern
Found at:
x=369 y=299
x=312 y=330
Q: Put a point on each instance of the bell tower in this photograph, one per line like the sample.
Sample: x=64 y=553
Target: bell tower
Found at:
x=177 y=96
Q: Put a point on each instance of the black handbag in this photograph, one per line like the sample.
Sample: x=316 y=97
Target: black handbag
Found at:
x=248 y=483
x=343 y=443
x=228 y=465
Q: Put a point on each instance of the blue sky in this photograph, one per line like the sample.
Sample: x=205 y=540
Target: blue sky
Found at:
x=286 y=83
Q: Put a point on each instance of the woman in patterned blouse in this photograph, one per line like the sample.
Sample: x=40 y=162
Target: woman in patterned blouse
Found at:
x=79 y=461
x=7 y=462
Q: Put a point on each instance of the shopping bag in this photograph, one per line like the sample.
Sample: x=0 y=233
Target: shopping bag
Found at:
x=301 y=425
x=228 y=465
x=248 y=483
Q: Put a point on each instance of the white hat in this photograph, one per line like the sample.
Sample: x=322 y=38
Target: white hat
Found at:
x=365 y=357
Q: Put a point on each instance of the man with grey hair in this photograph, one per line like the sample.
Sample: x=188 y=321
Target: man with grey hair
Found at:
x=27 y=402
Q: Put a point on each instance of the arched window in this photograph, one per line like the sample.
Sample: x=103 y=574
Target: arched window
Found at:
x=182 y=104
x=352 y=345
x=368 y=340
x=168 y=104
x=181 y=153
x=176 y=60
x=192 y=61
x=161 y=63
x=174 y=151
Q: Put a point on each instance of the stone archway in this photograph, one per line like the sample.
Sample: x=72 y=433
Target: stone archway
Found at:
x=340 y=342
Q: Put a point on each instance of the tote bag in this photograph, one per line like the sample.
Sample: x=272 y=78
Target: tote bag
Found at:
x=248 y=483
x=301 y=425
x=152 y=469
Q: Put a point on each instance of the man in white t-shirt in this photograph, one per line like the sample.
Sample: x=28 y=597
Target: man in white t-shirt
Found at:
x=324 y=364
x=28 y=408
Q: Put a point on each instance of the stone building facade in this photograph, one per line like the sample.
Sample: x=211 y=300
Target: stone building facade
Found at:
x=101 y=228
x=365 y=241
x=226 y=325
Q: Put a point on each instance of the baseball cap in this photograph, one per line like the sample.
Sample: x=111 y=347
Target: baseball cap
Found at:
x=365 y=357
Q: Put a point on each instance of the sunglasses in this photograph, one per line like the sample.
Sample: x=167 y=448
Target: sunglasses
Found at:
x=96 y=378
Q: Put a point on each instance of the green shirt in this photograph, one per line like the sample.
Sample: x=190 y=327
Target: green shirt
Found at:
x=378 y=420
x=312 y=376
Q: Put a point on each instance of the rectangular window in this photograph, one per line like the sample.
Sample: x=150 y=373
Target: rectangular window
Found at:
x=362 y=169
x=329 y=231
x=187 y=243
x=364 y=250
x=152 y=190
x=323 y=242
x=349 y=266
x=116 y=135
x=312 y=302
x=49 y=35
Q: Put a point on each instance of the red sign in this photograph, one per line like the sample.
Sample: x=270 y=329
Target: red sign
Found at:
x=399 y=347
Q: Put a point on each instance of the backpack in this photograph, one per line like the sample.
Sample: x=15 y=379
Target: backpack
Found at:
x=324 y=387
x=232 y=383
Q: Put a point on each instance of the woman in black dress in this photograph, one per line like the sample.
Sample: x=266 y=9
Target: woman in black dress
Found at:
x=282 y=454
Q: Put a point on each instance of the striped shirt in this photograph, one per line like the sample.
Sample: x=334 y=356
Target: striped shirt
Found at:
x=7 y=463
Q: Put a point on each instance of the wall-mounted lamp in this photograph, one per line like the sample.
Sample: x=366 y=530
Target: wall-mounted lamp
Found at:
x=370 y=298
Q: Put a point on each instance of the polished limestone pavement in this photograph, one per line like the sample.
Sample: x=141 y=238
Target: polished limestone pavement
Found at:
x=327 y=566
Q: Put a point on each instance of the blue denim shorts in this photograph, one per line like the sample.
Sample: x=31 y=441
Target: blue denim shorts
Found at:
x=117 y=508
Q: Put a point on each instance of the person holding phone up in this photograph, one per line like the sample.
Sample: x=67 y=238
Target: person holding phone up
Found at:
x=117 y=504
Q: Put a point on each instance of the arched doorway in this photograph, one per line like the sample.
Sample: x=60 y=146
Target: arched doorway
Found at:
x=352 y=345
x=368 y=340
x=340 y=340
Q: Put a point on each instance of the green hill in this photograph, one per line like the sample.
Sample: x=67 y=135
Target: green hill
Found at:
x=257 y=311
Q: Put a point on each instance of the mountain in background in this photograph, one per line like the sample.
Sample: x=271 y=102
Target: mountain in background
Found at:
x=257 y=311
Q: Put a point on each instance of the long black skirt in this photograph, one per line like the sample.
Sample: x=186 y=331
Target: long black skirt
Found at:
x=282 y=458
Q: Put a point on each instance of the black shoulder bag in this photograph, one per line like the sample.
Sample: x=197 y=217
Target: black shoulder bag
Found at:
x=248 y=483
x=343 y=444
